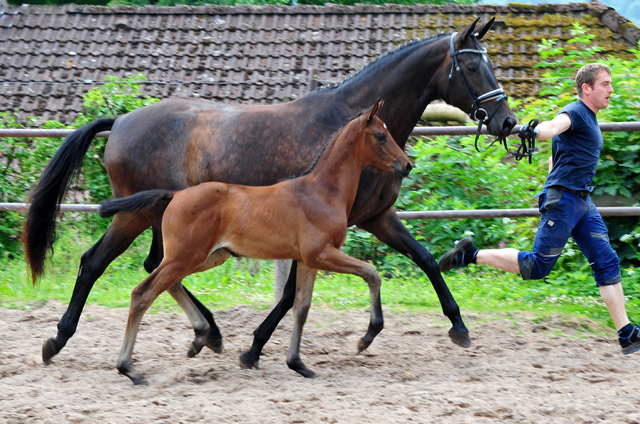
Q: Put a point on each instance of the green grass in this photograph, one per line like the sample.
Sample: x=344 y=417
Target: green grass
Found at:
x=477 y=289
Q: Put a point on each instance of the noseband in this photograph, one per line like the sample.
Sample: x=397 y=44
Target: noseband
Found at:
x=478 y=113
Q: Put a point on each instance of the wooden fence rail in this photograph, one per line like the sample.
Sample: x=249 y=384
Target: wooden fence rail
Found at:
x=419 y=131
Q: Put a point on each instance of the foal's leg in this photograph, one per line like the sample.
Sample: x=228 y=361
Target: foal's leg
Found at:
x=389 y=229
x=190 y=306
x=306 y=278
x=200 y=324
x=281 y=273
x=262 y=334
x=334 y=260
x=214 y=338
x=142 y=297
x=123 y=230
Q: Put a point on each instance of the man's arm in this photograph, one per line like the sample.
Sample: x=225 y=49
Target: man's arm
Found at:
x=550 y=129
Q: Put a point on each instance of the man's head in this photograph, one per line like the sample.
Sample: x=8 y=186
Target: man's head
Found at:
x=593 y=82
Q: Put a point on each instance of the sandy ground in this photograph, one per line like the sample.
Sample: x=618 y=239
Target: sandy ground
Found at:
x=517 y=371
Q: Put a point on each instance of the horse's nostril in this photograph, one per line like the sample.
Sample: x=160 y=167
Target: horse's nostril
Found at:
x=508 y=124
x=409 y=167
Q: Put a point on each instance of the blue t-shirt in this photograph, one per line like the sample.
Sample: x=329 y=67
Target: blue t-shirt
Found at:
x=577 y=150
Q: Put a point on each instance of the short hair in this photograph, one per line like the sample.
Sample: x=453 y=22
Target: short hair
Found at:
x=588 y=73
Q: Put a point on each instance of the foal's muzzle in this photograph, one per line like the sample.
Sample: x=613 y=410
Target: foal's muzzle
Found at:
x=402 y=167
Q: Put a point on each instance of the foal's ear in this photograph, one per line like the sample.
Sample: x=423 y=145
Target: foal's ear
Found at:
x=485 y=29
x=467 y=31
x=373 y=111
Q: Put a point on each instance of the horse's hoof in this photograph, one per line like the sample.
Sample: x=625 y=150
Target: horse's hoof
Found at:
x=49 y=350
x=215 y=344
x=460 y=338
x=247 y=362
x=363 y=345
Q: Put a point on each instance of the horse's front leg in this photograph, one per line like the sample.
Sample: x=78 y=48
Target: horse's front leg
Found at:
x=334 y=260
x=388 y=228
x=262 y=334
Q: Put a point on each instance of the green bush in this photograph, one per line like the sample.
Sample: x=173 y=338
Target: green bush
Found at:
x=22 y=160
x=21 y=163
x=448 y=174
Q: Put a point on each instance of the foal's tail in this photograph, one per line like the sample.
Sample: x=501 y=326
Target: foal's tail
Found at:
x=141 y=201
x=40 y=225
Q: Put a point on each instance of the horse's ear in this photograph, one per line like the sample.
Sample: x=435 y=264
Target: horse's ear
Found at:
x=485 y=29
x=467 y=31
x=373 y=111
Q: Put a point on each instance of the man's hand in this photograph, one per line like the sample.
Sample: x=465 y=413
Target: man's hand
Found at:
x=529 y=130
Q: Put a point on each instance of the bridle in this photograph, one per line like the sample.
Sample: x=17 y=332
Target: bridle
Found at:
x=478 y=113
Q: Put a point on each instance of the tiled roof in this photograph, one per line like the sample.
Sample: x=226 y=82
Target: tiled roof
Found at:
x=256 y=54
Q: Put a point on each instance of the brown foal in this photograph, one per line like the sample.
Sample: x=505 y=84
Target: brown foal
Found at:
x=303 y=219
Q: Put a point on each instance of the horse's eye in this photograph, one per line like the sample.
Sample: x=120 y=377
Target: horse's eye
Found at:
x=381 y=137
x=472 y=68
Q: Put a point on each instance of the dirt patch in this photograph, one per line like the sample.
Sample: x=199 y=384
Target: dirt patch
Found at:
x=517 y=371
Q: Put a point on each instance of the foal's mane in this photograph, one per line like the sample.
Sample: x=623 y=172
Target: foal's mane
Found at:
x=343 y=126
x=406 y=48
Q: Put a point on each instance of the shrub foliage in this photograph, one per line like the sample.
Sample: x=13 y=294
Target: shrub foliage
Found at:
x=448 y=173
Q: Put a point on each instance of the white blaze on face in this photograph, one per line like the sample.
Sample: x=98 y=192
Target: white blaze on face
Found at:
x=384 y=125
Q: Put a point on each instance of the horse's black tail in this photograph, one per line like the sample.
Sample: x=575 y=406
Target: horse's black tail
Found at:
x=40 y=226
x=135 y=203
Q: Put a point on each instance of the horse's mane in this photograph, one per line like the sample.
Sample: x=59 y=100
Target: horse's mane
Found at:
x=405 y=48
x=402 y=49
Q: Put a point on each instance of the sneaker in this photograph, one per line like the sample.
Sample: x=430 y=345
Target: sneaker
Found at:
x=631 y=343
x=454 y=257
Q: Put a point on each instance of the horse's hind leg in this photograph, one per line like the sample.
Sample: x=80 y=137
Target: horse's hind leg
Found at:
x=262 y=334
x=155 y=251
x=304 y=290
x=214 y=338
x=200 y=324
x=123 y=230
x=389 y=229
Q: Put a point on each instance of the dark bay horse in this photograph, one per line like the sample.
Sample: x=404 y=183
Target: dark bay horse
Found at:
x=304 y=219
x=179 y=142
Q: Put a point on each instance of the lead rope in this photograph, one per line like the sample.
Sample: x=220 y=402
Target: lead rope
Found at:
x=527 y=143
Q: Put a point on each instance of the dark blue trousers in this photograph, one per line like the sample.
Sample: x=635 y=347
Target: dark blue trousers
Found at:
x=563 y=215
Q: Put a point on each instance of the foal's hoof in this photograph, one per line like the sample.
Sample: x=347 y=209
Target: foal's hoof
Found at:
x=248 y=362
x=193 y=351
x=137 y=378
x=214 y=344
x=140 y=382
x=301 y=369
x=460 y=338
x=49 y=350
